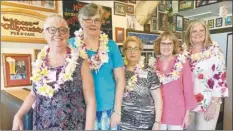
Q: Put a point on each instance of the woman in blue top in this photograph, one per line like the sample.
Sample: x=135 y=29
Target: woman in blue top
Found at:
x=106 y=63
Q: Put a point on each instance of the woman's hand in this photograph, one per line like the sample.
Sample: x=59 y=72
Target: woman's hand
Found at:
x=156 y=126
x=210 y=112
x=17 y=123
x=186 y=121
x=115 y=119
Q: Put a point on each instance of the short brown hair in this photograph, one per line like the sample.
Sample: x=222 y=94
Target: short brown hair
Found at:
x=207 y=42
x=132 y=38
x=167 y=35
x=90 y=10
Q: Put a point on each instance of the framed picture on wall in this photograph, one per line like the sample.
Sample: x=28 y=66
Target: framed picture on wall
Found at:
x=17 y=69
x=162 y=21
x=200 y=3
x=131 y=21
x=120 y=34
x=228 y=20
x=185 y=5
x=218 y=22
x=154 y=24
x=42 y=5
x=146 y=28
x=119 y=9
x=161 y=7
x=179 y=23
x=130 y=9
x=211 y=23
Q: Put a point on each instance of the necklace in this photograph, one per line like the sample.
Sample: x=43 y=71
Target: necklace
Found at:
x=101 y=57
x=176 y=69
x=40 y=73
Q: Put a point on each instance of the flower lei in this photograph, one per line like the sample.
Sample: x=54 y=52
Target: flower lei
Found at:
x=201 y=56
x=101 y=57
x=40 y=72
x=174 y=75
x=131 y=84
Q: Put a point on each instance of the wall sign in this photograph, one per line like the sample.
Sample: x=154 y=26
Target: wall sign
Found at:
x=18 y=25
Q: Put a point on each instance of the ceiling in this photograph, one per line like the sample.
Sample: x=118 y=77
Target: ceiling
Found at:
x=211 y=10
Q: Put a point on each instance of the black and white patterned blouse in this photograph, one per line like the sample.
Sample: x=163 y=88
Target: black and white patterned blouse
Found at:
x=138 y=110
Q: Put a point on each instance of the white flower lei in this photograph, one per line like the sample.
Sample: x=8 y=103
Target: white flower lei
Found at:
x=101 y=57
x=176 y=71
x=131 y=84
x=40 y=72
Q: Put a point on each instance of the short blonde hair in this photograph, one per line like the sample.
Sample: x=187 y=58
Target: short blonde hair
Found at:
x=90 y=10
x=167 y=35
x=207 y=42
x=134 y=39
x=59 y=17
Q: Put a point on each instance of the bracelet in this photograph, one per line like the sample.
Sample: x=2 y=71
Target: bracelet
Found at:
x=118 y=113
x=158 y=122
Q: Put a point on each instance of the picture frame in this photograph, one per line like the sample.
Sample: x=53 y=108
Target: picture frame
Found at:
x=130 y=9
x=228 y=20
x=162 y=21
x=185 y=5
x=154 y=23
x=119 y=34
x=179 y=22
x=211 y=23
x=200 y=3
x=154 y=14
x=146 y=27
x=17 y=69
x=36 y=52
x=161 y=7
x=119 y=9
x=168 y=4
x=147 y=38
x=43 y=5
x=218 y=22
x=132 y=1
x=186 y=23
x=131 y=21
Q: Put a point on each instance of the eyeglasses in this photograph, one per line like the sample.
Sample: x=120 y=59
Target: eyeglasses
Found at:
x=163 y=44
x=136 y=49
x=96 y=21
x=61 y=30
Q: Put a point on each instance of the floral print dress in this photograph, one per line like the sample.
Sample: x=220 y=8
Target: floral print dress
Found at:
x=66 y=109
x=209 y=76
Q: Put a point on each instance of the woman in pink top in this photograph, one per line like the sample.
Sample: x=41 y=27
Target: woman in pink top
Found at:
x=174 y=73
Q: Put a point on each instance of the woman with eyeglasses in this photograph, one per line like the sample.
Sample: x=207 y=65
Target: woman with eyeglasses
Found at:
x=106 y=63
x=142 y=101
x=63 y=89
x=175 y=76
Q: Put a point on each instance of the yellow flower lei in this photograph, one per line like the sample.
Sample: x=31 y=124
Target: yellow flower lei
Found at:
x=101 y=57
x=40 y=72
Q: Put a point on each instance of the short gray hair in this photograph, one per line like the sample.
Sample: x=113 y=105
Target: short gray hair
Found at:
x=55 y=16
x=90 y=10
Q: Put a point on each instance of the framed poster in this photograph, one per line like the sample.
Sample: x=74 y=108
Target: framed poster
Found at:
x=200 y=3
x=130 y=9
x=38 y=5
x=119 y=9
x=71 y=9
x=120 y=34
x=185 y=5
x=162 y=21
x=17 y=69
x=218 y=22
x=147 y=38
x=179 y=23
x=211 y=23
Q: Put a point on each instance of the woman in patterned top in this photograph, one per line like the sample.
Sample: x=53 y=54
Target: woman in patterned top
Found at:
x=174 y=73
x=63 y=89
x=209 y=75
x=142 y=101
